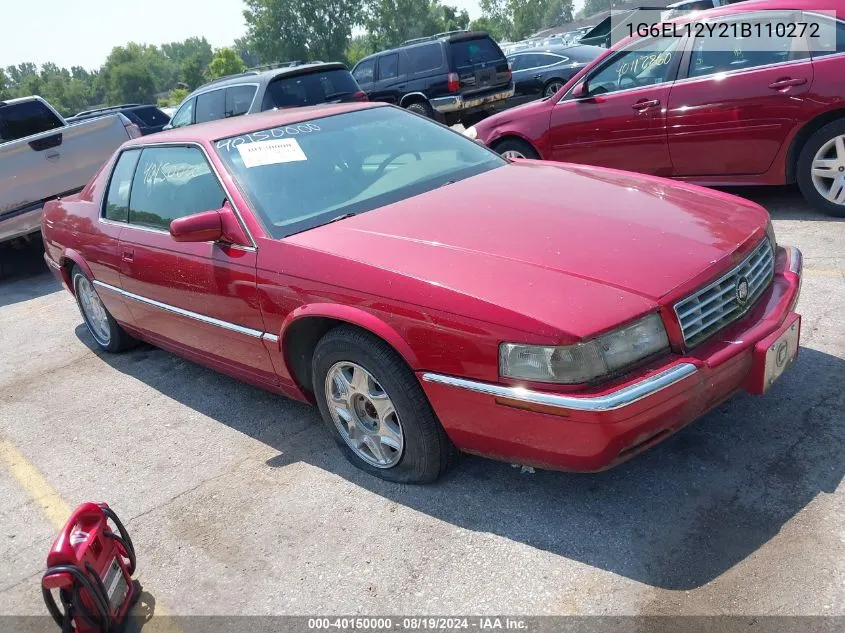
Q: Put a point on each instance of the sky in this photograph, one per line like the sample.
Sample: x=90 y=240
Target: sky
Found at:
x=82 y=33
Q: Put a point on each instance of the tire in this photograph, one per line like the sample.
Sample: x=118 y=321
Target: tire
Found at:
x=424 y=450
x=106 y=332
x=422 y=108
x=823 y=145
x=516 y=148
x=552 y=87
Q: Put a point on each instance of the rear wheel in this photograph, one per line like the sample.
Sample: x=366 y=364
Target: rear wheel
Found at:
x=516 y=148
x=107 y=333
x=821 y=169
x=552 y=88
x=422 y=108
x=376 y=410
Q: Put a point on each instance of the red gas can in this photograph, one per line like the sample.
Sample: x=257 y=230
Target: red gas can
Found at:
x=91 y=566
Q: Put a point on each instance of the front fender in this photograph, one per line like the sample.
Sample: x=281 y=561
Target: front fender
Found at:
x=354 y=316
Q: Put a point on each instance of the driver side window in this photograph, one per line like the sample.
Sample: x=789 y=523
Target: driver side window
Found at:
x=648 y=64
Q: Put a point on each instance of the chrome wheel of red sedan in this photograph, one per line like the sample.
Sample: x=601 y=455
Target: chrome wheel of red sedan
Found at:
x=93 y=311
x=364 y=415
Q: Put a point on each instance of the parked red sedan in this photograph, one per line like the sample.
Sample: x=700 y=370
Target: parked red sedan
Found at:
x=426 y=293
x=708 y=108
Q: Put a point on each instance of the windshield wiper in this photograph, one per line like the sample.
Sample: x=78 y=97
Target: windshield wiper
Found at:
x=341 y=217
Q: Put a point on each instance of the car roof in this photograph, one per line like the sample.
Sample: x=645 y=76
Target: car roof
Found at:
x=554 y=49
x=834 y=6
x=233 y=126
x=450 y=36
x=266 y=76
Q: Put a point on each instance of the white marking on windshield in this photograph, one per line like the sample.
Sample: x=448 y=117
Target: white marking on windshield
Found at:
x=265 y=135
x=285 y=150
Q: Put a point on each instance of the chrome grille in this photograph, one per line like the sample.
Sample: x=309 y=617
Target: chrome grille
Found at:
x=710 y=309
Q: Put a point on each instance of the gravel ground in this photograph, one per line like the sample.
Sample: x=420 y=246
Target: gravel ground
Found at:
x=239 y=503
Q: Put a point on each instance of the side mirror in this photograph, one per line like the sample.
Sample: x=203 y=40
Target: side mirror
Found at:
x=581 y=91
x=206 y=226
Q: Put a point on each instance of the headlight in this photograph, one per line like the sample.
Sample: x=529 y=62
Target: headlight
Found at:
x=585 y=361
x=770 y=232
x=471 y=132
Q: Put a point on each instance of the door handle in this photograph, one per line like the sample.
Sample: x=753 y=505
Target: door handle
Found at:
x=645 y=104
x=538 y=76
x=128 y=255
x=788 y=82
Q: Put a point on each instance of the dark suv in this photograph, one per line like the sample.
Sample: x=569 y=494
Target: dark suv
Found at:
x=454 y=74
x=148 y=118
x=290 y=86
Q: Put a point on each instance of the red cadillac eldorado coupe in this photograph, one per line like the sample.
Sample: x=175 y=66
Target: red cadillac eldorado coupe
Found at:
x=427 y=294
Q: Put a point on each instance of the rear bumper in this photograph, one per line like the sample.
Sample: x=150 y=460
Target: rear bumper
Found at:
x=21 y=222
x=595 y=430
x=459 y=103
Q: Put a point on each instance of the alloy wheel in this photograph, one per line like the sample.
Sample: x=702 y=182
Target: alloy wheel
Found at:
x=552 y=89
x=364 y=414
x=93 y=311
x=828 y=170
x=512 y=153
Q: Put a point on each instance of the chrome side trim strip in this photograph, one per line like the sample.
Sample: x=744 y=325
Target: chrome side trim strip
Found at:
x=182 y=312
x=607 y=402
x=272 y=338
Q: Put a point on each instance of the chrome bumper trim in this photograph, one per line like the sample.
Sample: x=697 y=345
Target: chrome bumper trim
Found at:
x=233 y=327
x=606 y=402
x=457 y=102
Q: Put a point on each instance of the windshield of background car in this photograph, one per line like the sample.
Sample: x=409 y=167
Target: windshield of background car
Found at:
x=306 y=174
x=309 y=89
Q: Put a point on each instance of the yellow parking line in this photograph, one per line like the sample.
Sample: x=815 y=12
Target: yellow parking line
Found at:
x=57 y=512
x=28 y=477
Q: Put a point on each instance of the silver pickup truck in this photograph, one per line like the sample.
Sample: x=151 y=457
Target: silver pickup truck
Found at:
x=42 y=157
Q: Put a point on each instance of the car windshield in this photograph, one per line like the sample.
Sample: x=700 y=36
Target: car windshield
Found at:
x=306 y=174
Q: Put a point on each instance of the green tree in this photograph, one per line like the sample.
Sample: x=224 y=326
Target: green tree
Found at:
x=131 y=82
x=286 y=30
x=176 y=96
x=391 y=22
x=246 y=49
x=558 y=13
x=193 y=71
x=179 y=52
x=359 y=47
x=225 y=62
x=592 y=7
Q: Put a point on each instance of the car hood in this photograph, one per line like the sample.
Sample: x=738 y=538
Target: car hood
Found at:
x=551 y=241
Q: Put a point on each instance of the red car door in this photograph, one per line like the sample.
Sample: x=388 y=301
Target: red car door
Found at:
x=200 y=298
x=619 y=120
x=738 y=99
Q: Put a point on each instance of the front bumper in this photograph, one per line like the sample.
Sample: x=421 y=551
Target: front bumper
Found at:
x=590 y=431
x=458 y=103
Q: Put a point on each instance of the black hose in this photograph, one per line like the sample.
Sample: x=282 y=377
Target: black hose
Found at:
x=97 y=594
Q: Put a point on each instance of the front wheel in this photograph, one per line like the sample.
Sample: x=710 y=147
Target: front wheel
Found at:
x=376 y=410
x=516 y=148
x=107 y=333
x=821 y=169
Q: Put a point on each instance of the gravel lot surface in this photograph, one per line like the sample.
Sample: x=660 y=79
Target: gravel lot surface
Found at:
x=239 y=503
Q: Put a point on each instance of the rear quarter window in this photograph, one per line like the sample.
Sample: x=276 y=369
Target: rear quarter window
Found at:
x=18 y=120
x=425 y=57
